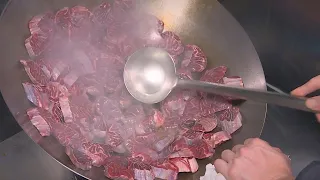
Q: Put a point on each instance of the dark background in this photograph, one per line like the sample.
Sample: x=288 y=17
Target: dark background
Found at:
x=286 y=35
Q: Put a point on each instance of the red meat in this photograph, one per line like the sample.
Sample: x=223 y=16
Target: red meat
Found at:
x=194 y=59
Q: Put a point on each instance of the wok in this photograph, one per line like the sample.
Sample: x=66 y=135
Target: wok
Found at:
x=202 y=22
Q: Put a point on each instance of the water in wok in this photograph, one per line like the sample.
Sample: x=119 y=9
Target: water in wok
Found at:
x=204 y=23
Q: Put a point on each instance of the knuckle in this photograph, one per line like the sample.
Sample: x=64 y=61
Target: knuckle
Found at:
x=236 y=162
x=277 y=149
x=234 y=149
x=243 y=151
x=255 y=141
x=224 y=152
x=259 y=142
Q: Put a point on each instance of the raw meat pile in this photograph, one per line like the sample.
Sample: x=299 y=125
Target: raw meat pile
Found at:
x=76 y=63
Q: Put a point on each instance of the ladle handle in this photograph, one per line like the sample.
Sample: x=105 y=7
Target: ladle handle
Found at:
x=247 y=94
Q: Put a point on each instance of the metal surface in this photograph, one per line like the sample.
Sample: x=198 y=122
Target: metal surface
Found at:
x=202 y=22
x=20 y=158
x=150 y=75
x=273 y=98
x=286 y=36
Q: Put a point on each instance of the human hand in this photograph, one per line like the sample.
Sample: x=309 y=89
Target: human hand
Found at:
x=256 y=159
x=309 y=87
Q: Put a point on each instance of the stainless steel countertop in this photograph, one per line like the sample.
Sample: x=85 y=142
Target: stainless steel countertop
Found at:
x=21 y=158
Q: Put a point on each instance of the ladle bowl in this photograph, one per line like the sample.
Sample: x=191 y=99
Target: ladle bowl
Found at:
x=150 y=75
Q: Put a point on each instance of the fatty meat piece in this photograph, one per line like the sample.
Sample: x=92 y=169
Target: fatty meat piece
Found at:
x=213 y=104
x=215 y=139
x=233 y=81
x=36 y=95
x=183 y=73
x=118 y=167
x=63 y=20
x=206 y=124
x=109 y=109
x=66 y=110
x=76 y=109
x=194 y=59
x=55 y=90
x=100 y=15
x=42 y=24
x=192 y=109
x=172 y=43
x=214 y=75
x=173 y=105
x=67 y=134
x=56 y=112
x=142 y=170
x=165 y=170
x=38 y=121
x=230 y=120
x=96 y=152
x=36 y=44
x=183 y=153
x=163 y=140
x=35 y=72
x=79 y=159
x=186 y=164
x=81 y=24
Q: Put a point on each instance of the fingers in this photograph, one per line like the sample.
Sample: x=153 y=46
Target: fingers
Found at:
x=318 y=117
x=222 y=164
x=247 y=157
x=309 y=87
x=256 y=142
x=228 y=155
x=313 y=103
x=247 y=141
x=236 y=148
x=277 y=149
x=221 y=167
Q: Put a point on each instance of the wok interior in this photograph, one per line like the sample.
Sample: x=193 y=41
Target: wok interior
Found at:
x=203 y=22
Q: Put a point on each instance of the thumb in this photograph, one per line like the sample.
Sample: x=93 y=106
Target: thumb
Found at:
x=313 y=103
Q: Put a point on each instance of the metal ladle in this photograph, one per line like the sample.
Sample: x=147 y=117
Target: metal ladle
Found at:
x=150 y=76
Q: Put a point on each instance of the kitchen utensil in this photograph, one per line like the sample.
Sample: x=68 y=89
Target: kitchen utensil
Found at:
x=150 y=76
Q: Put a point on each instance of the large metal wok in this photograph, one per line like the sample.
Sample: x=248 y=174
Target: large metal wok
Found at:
x=202 y=22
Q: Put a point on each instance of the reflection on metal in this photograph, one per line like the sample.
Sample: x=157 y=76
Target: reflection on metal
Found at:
x=19 y=154
x=275 y=88
x=173 y=13
x=150 y=75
